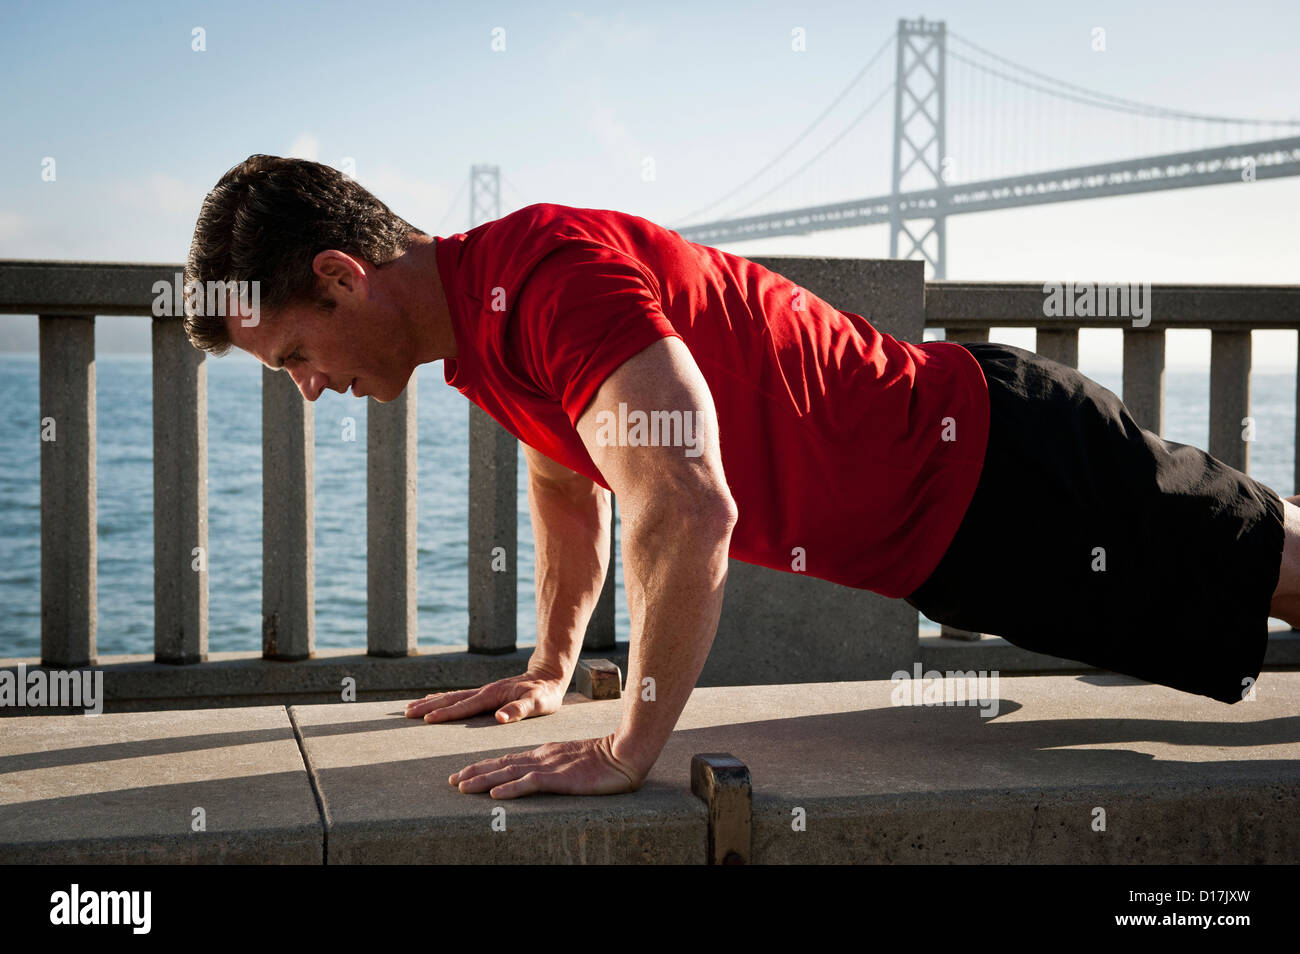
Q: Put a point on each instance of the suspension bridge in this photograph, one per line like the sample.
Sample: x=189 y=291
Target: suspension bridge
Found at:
x=974 y=131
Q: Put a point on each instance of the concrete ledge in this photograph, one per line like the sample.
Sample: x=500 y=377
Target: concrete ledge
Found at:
x=119 y=789
x=1181 y=778
x=839 y=774
x=383 y=782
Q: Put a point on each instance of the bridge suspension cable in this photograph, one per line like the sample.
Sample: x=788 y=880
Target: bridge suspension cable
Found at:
x=1115 y=102
x=825 y=149
x=798 y=140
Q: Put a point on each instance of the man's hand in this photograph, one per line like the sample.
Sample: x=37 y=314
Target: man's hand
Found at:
x=534 y=693
x=585 y=767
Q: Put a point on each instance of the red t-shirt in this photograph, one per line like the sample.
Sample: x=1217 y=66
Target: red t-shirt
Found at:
x=836 y=438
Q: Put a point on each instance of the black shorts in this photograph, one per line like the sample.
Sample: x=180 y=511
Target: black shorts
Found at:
x=1092 y=539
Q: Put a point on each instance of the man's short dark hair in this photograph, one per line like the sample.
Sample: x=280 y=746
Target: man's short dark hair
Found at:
x=266 y=220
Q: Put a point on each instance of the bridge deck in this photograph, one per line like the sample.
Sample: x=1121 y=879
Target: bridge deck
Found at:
x=1180 y=779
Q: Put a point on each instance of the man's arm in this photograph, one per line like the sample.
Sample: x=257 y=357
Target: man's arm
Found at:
x=571 y=526
x=571 y=517
x=678 y=515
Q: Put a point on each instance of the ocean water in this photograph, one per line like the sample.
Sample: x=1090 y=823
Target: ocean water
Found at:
x=125 y=505
x=125 y=502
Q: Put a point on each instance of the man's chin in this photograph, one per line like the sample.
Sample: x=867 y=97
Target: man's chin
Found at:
x=384 y=397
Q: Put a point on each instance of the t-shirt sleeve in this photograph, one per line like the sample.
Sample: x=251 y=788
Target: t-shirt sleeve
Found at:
x=584 y=311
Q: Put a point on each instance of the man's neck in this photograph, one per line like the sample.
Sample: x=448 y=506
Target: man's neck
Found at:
x=423 y=300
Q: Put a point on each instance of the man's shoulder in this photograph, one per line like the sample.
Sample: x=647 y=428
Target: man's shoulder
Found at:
x=548 y=231
x=548 y=245
x=557 y=225
x=543 y=215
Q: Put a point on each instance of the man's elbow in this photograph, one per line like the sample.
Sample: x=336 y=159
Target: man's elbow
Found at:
x=723 y=512
x=696 y=517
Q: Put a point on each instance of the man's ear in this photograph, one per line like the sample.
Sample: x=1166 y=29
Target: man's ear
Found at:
x=337 y=274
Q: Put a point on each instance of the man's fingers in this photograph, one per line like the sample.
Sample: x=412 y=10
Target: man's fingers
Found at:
x=481 y=782
x=519 y=709
x=530 y=784
x=419 y=707
x=511 y=781
x=466 y=702
x=528 y=758
x=464 y=707
x=442 y=706
x=418 y=702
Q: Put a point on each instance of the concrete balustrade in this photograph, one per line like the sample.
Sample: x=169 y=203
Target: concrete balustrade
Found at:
x=958 y=304
x=68 y=530
x=1144 y=377
x=493 y=534
x=774 y=627
x=180 y=496
x=288 y=520
x=1230 y=397
x=391 y=520
x=1059 y=345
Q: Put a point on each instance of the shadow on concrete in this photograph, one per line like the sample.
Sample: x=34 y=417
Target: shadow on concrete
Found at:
x=249 y=819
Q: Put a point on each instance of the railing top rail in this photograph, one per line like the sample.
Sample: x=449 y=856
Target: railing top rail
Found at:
x=130 y=288
x=29 y=287
x=1166 y=305
x=955 y=285
x=75 y=263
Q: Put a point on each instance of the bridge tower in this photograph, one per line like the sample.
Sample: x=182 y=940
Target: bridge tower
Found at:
x=484 y=194
x=919 y=144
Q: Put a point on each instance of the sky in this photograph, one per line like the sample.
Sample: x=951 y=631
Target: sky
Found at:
x=143 y=105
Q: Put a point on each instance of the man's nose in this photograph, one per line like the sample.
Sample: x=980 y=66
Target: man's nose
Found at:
x=311 y=383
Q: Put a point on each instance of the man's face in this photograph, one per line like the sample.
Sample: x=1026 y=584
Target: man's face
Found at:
x=356 y=346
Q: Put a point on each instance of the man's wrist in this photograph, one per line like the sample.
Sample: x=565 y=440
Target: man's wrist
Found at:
x=551 y=667
x=634 y=757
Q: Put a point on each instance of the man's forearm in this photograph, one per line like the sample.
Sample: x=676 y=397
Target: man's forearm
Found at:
x=675 y=567
x=571 y=529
